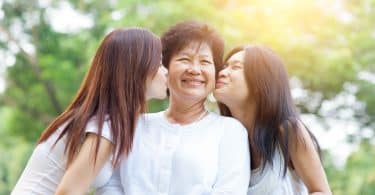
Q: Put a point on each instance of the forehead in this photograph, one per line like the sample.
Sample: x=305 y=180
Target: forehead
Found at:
x=196 y=48
x=237 y=57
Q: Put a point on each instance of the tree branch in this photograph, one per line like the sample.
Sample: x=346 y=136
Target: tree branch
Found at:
x=32 y=59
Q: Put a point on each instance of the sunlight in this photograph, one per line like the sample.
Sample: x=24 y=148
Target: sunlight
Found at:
x=65 y=19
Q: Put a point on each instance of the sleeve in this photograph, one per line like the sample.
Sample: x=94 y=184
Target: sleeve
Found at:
x=113 y=187
x=234 y=162
x=92 y=127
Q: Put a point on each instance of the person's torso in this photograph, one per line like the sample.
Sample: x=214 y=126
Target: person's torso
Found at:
x=46 y=168
x=173 y=159
x=271 y=181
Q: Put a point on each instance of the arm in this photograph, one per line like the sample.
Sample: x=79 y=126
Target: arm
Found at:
x=307 y=164
x=113 y=187
x=73 y=181
x=234 y=163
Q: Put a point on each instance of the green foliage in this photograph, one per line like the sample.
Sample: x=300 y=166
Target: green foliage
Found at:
x=318 y=47
x=12 y=161
x=357 y=177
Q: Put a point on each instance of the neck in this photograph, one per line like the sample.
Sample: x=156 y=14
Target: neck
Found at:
x=245 y=113
x=185 y=112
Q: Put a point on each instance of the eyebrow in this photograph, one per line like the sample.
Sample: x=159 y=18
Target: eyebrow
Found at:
x=205 y=56
x=183 y=54
x=234 y=62
x=188 y=54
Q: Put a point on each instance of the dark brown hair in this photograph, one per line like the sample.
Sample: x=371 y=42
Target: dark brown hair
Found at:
x=180 y=35
x=114 y=89
x=276 y=122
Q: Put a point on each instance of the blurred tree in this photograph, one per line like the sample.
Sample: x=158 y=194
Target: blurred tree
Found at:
x=357 y=177
x=325 y=44
x=361 y=36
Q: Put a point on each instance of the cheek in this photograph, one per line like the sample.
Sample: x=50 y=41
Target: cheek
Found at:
x=242 y=83
x=172 y=74
x=160 y=81
x=172 y=78
x=210 y=74
x=241 y=86
x=149 y=82
x=238 y=78
x=175 y=70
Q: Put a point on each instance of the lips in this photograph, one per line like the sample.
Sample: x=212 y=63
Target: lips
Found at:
x=193 y=82
x=220 y=83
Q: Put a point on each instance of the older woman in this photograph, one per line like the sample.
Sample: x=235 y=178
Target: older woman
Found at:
x=253 y=88
x=187 y=149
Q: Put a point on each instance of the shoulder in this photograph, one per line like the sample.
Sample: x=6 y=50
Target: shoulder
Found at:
x=229 y=122
x=230 y=125
x=153 y=116
x=301 y=133
x=93 y=121
x=301 y=140
x=93 y=125
x=148 y=120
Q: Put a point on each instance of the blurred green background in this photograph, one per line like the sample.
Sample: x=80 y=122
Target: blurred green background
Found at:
x=328 y=47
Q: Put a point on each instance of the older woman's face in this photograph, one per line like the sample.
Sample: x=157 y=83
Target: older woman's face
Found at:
x=192 y=72
x=231 y=87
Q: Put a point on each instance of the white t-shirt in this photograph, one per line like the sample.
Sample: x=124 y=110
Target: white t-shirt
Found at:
x=46 y=165
x=210 y=156
x=272 y=181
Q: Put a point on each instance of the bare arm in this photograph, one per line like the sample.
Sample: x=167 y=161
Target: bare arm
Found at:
x=307 y=164
x=73 y=181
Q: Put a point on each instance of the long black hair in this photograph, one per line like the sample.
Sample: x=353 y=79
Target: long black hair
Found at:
x=115 y=85
x=277 y=122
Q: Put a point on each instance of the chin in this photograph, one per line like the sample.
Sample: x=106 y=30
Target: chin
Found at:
x=218 y=95
x=161 y=96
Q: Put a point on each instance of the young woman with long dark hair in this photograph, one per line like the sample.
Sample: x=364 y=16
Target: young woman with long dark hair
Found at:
x=253 y=87
x=80 y=148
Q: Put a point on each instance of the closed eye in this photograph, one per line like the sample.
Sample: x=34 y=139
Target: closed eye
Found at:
x=206 y=62
x=236 y=67
x=183 y=59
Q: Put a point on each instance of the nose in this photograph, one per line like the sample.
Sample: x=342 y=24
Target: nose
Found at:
x=194 y=68
x=224 y=72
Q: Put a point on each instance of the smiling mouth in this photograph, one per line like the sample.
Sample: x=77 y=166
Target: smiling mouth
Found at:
x=193 y=82
x=219 y=84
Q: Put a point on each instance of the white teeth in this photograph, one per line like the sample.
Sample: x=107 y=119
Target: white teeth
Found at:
x=193 y=82
x=196 y=82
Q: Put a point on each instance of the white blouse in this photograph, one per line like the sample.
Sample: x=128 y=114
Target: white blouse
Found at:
x=210 y=156
x=46 y=166
x=272 y=181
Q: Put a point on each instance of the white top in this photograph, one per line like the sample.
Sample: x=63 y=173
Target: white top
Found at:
x=46 y=165
x=210 y=156
x=272 y=181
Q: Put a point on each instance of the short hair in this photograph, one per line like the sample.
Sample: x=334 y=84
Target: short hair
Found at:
x=180 y=35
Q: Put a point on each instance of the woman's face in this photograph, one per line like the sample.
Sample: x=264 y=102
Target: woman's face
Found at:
x=157 y=84
x=231 y=87
x=192 y=72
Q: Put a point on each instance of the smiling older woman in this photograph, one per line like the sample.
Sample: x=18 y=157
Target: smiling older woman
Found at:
x=186 y=149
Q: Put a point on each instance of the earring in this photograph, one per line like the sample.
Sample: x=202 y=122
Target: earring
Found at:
x=211 y=97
